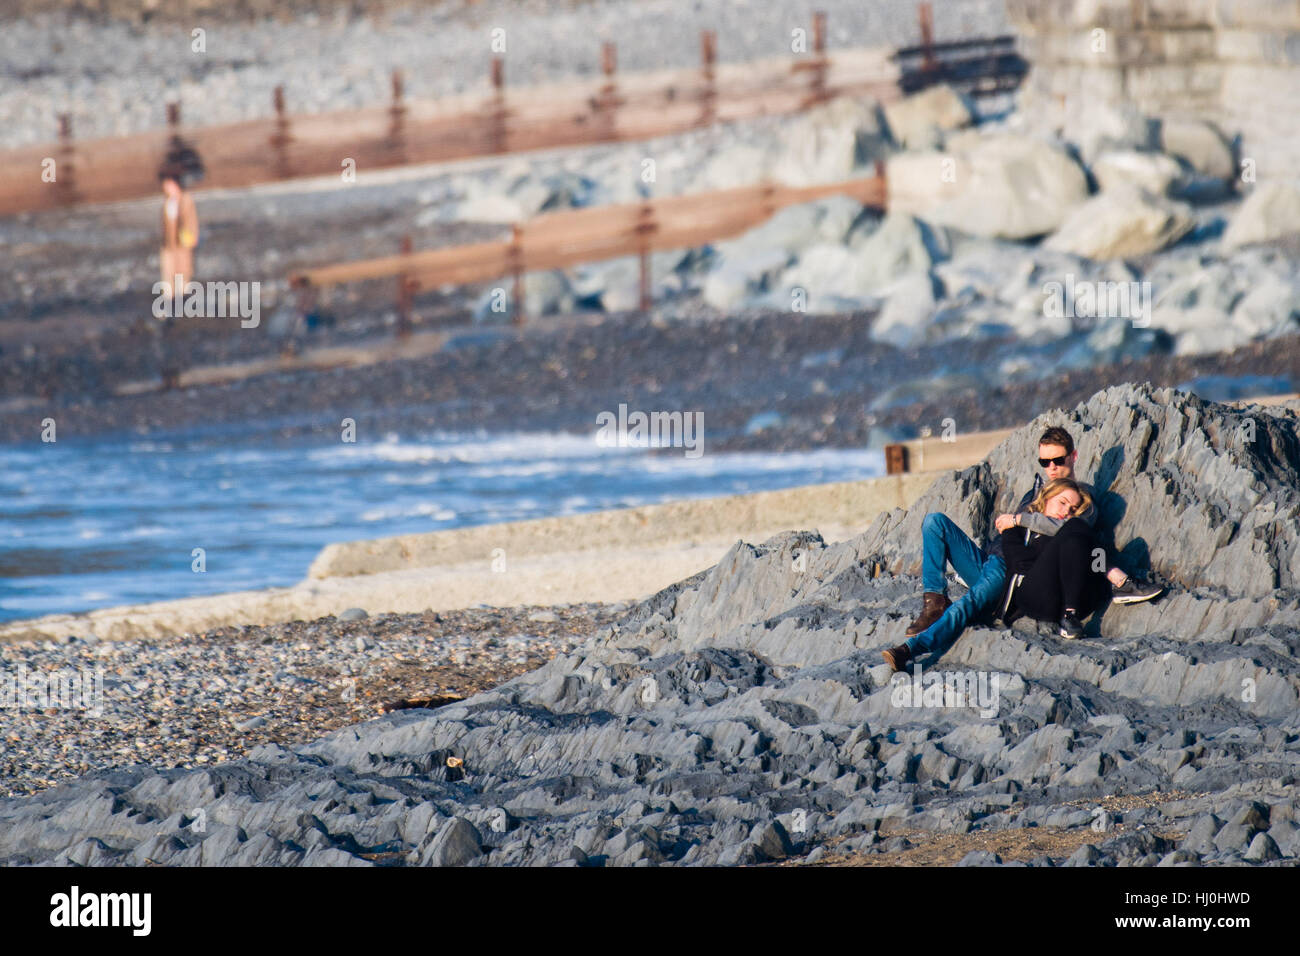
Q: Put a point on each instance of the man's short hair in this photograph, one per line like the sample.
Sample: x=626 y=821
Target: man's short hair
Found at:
x=1057 y=436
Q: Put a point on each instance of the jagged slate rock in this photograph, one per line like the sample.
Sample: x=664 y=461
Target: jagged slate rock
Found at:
x=771 y=841
x=456 y=844
x=1087 y=855
x=892 y=845
x=89 y=852
x=1286 y=835
x=858 y=815
x=861 y=844
x=1179 y=857
x=640 y=851
x=329 y=856
x=1129 y=847
x=1253 y=815
x=1234 y=836
x=816 y=855
x=1262 y=849
x=756 y=688
x=1067 y=817
x=980 y=858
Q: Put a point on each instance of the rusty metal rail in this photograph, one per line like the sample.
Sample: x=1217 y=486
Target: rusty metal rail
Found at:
x=561 y=239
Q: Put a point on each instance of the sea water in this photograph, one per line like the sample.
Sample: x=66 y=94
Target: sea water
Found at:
x=96 y=523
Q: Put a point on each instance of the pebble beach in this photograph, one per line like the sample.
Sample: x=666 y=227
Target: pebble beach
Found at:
x=196 y=700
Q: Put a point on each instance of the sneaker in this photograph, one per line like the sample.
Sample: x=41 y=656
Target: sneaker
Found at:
x=1134 y=593
x=1071 y=626
x=898 y=657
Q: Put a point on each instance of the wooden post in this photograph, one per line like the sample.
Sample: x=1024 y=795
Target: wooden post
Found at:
x=925 y=14
x=280 y=138
x=709 y=95
x=405 y=294
x=882 y=187
x=517 y=271
x=497 y=109
x=174 y=116
x=645 y=228
x=609 y=64
x=65 y=173
x=818 y=82
x=397 y=112
x=607 y=102
x=304 y=300
x=895 y=459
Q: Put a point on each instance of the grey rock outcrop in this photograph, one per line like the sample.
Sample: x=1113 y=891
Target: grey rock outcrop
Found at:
x=745 y=715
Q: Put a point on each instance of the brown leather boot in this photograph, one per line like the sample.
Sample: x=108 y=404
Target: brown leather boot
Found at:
x=898 y=657
x=932 y=608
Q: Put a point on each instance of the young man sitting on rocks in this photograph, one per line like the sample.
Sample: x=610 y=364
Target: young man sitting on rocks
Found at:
x=942 y=621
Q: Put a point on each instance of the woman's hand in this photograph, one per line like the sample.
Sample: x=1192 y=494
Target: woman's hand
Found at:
x=1004 y=522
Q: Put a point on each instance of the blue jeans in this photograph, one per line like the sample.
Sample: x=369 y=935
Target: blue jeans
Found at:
x=943 y=542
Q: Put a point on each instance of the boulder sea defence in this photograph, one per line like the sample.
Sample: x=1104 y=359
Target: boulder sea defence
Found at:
x=745 y=715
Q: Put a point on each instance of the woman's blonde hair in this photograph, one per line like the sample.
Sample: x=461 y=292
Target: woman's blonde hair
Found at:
x=1054 y=488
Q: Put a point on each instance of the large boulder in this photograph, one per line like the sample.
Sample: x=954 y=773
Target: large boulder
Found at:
x=1153 y=172
x=1200 y=144
x=1120 y=223
x=1212 y=305
x=828 y=278
x=919 y=121
x=1271 y=211
x=1103 y=127
x=832 y=276
x=910 y=304
x=749 y=265
x=1005 y=186
x=826 y=143
x=734 y=280
x=614 y=285
x=902 y=244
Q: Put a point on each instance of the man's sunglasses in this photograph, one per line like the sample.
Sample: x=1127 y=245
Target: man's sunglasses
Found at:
x=1058 y=462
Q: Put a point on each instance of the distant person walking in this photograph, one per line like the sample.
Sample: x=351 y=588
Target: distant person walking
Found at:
x=180 y=231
